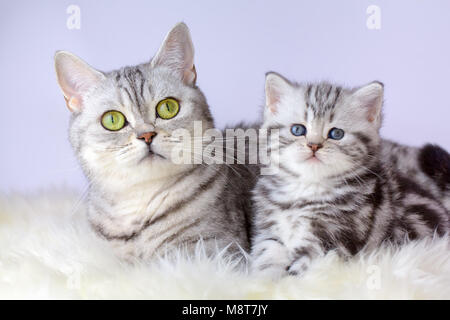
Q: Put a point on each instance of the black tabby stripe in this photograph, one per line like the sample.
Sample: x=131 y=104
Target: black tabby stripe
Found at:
x=365 y=139
x=263 y=191
x=350 y=240
x=337 y=94
x=308 y=92
x=187 y=200
x=274 y=127
x=320 y=231
x=288 y=171
x=285 y=142
x=431 y=218
x=128 y=93
x=266 y=225
x=177 y=234
x=142 y=80
x=407 y=185
x=299 y=253
x=408 y=228
x=130 y=76
x=357 y=179
x=377 y=198
x=278 y=240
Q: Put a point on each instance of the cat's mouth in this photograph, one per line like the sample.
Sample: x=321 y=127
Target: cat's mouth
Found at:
x=313 y=159
x=151 y=154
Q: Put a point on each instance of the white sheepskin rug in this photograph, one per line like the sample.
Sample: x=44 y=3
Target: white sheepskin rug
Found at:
x=48 y=251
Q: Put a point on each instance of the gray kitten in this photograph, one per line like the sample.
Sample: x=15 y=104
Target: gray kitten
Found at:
x=121 y=130
x=340 y=186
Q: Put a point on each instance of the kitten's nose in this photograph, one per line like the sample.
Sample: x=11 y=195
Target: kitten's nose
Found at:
x=147 y=136
x=315 y=146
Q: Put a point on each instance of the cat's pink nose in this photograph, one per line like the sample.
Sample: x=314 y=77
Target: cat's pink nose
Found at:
x=315 y=146
x=147 y=136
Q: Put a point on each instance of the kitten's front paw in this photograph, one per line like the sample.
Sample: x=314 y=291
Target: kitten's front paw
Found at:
x=272 y=271
x=299 y=266
x=270 y=259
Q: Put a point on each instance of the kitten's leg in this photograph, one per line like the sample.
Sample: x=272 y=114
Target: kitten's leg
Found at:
x=302 y=257
x=270 y=258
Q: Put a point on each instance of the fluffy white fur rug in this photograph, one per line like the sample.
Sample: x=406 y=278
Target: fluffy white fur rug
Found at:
x=48 y=251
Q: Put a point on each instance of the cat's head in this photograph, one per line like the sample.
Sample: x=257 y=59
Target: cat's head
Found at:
x=122 y=120
x=325 y=130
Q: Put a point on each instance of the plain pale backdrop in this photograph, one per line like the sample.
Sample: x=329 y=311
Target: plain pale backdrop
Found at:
x=236 y=43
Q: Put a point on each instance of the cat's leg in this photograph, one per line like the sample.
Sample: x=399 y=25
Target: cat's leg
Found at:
x=270 y=258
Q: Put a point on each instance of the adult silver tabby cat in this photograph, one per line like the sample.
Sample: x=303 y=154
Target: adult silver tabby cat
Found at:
x=339 y=185
x=121 y=131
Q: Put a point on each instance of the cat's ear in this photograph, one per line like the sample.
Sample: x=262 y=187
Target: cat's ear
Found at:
x=276 y=87
x=75 y=77
x=370 y=97
x=177 y=54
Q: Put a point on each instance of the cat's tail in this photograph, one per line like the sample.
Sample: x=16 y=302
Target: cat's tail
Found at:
x=435 y=162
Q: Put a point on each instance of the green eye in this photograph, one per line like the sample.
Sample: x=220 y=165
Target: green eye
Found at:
x=167 y=108
x=113 y=120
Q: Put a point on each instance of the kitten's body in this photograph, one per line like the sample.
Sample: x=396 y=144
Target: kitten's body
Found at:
x=139 y=199
x=355 y=194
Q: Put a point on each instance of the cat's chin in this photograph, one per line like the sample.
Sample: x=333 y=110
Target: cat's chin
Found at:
x=160 y=165
x=315 y=169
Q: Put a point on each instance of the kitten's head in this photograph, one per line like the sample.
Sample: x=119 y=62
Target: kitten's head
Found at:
x=325 y=130
x=122 y=120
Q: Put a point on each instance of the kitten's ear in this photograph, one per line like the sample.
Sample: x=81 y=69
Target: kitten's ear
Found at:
x=370 y=97
x=177 y=54
x=75 y=77
x=276 y=87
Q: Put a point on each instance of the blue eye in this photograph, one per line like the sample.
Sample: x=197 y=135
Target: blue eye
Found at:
x=336 y=134
x=298 y=130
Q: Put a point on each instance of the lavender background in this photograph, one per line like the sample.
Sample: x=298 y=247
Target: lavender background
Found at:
x=236 y=43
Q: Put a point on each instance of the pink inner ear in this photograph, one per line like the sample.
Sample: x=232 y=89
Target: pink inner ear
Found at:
x=273 y=98
x=370 y=99
x=371 y=112
x=73 y=103
x=73 y=99
x=190 y=76
x=373 y=109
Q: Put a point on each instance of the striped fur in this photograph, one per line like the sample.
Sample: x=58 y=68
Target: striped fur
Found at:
x=359 y=191
x=141 y=202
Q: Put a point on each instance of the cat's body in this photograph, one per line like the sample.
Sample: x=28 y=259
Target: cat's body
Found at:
x=145 y=219
x=345 y=193
x=139 y=199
